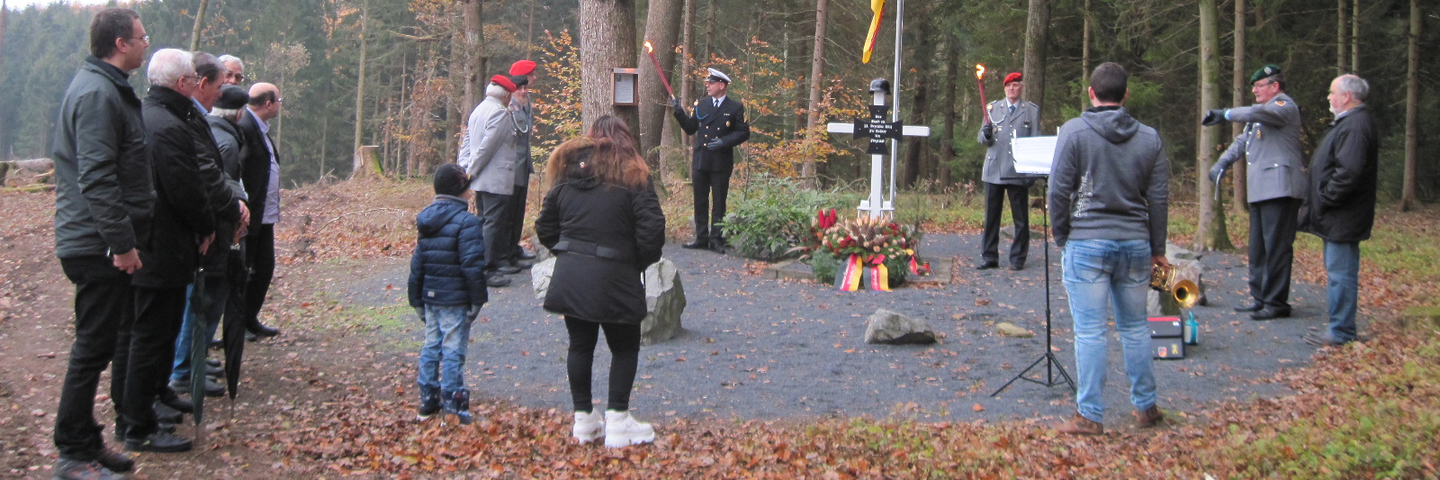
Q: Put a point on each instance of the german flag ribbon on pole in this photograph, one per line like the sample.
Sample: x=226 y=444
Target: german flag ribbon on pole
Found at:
x=877 y=6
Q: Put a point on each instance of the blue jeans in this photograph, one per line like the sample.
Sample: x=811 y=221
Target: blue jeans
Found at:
x=217 y=289
x=1099 y=274
x=442 y=358
x=1342 y=266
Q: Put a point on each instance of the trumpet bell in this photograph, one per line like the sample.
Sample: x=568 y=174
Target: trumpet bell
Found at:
x=1186 y=293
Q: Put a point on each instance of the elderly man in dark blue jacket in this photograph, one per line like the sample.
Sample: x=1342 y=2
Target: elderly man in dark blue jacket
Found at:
x=1343 y=172
x=447 y=289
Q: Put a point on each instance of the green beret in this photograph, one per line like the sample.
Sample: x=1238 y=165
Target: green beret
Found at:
x=1265 y=71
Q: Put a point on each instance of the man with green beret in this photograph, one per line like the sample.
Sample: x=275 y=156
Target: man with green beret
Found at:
x=1275 y=182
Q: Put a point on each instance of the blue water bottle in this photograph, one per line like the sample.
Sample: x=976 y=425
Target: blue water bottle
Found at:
x=1191 y=332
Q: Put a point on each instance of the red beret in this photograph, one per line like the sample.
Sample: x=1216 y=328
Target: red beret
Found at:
x=1013 y=77
x=523 y=67
x=503 y=81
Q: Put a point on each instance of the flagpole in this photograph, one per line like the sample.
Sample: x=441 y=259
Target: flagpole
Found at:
x=895 y=88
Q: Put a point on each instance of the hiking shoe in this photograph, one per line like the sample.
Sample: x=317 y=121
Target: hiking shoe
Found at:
x=1149 y=417
x=67 y=469
x=115 y=461
x=1079 y=425
x=588 y=426
x=429 y=403
x=160 y=441
x=623 y=430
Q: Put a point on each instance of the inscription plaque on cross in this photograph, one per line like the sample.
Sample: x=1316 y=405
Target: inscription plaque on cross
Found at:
x=879 y=130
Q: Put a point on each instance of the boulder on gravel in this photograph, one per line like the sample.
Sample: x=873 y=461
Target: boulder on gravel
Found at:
x=890 y=328
x=664 y=297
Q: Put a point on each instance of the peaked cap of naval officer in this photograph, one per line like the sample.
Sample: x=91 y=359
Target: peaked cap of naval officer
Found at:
x=717 y=76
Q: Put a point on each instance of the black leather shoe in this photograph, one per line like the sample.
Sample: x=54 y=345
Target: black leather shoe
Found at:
x=1268 y=313
x=175 y=403
x=164 y=426
x=214 y=362
x=214 y=371
x=1017 y=266
x=496 y=280
x=717 y=248
x=263 y=331
x=115 y=461
x=161 y=442
x=508 y=270
x=698 y=244
x=1250 y=307
x=987 y=266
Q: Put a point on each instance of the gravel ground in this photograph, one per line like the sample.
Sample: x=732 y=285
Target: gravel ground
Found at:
x=754 y=348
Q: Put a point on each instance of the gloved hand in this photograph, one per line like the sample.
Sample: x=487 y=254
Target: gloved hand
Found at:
x=420 y=312
x=473 y=312
x=714 y=145
x=988 y=130
x=675 y=103
x=1213 y=118
x=1216 y=171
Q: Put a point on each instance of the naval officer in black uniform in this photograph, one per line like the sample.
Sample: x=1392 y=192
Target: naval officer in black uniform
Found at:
x=720 y=123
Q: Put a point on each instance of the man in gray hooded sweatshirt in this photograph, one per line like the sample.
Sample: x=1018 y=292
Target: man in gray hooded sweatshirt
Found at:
x=1109 y=193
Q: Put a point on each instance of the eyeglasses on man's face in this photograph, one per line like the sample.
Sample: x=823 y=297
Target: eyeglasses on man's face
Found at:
x=143 y=38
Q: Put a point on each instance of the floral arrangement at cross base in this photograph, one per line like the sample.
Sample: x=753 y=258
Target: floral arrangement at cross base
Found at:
x=871 y=253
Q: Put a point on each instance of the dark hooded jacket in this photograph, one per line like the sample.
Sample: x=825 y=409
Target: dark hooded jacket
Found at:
x=104 y=191
x=448 y=267
x=183 y=213
x=604 y=237
x=1110 y=180
x=1343 y=173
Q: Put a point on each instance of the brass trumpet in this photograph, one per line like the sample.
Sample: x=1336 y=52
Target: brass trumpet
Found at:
x=1185 y=292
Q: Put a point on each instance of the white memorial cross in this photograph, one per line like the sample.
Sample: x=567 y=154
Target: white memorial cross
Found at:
x=878 y=130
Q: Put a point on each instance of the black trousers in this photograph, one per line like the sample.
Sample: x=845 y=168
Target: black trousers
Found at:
x=707 y=213
x=104 y=307
x=158 y=313
x=624 y=341
x=1019 y=196
x=1272 y=250
x=260 y=256
x=515 y=220
x=491 y=208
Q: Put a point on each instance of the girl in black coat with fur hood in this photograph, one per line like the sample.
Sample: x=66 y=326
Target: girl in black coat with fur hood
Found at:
x=603 y=220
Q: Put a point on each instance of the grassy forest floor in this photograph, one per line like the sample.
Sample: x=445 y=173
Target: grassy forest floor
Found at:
x=331 y=397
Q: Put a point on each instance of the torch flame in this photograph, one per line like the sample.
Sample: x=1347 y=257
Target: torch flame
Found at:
x=979 y=69
x=648 y=48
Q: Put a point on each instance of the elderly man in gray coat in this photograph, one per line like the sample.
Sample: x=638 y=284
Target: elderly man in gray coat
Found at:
x=487 y=153
x=1275 y=184
x=1006 y=119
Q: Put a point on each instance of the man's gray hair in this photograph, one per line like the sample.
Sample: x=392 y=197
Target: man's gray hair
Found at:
x=167 y=65
x=231 y=114
x=225 y=59
x=1354 y=85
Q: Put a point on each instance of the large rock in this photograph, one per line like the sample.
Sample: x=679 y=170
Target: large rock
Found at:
x=1008 y=329
x=1188 y=267
x=892 y=328
x=664 y=298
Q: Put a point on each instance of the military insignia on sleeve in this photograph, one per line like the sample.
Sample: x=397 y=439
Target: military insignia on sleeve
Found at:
x=1280 y=102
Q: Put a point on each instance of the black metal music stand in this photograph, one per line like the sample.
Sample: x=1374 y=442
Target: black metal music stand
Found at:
x=1052 y=364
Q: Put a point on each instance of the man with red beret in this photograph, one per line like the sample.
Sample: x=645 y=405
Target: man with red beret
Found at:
x=1007 y=119
x=487 y=152
x=522 y=74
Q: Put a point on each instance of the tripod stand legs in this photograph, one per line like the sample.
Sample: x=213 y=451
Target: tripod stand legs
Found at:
x=1052 y=365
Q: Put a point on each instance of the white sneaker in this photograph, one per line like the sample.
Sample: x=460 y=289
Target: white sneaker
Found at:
x=588 y=426
x=623 y=430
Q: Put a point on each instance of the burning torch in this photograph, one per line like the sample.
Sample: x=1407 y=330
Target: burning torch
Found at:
x=980 y=83
x=651 y=50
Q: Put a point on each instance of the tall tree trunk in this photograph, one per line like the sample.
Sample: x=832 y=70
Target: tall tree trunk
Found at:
x=474 y=67
x=607 y=41
x=947 y=131
x=1237 y=97
x=817 y=77
x=1037 y=39
x=1355 y=36
x=921 y=59
x=662 y=30
x=530 y=34
x=199 y=25
x=4 y=13
x=1085 y=55
x=1210 y=234
x=1340 y=41
x=687 y=83
x=1412 y=110
x=360 y=81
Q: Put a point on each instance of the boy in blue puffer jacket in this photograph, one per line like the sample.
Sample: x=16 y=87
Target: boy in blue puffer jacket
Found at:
x=447 y=288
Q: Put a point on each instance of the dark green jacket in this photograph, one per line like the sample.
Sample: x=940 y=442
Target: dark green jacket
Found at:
x=104 y=193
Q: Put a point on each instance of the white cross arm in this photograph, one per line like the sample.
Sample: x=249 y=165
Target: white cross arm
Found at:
x=840 y=127
x=915 y=131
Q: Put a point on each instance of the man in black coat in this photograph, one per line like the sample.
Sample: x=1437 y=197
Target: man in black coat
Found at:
x=183 y=230
x=1341 y=209
x=260 y=170
x=720 y=123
